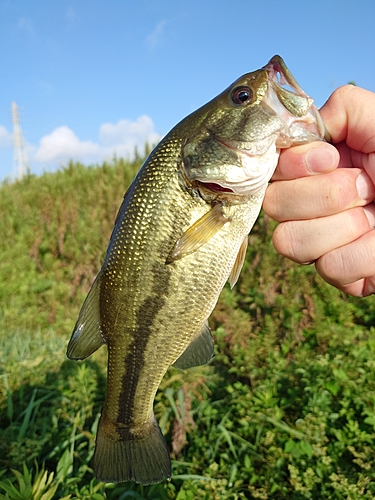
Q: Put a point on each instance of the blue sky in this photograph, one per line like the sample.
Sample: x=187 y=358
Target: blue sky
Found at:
x=92 y=78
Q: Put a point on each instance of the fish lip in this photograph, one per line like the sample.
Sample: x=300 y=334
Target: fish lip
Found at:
x=280 y=78
x=277 y=66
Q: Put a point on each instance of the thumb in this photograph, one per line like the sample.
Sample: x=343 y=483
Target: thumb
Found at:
x=349 y=116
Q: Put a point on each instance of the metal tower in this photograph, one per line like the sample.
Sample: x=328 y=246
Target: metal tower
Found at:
x=21 y=161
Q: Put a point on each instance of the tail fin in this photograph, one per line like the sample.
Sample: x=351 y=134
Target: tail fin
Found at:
x=143 y=458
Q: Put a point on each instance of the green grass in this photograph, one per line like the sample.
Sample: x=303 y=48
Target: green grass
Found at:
x=286 y=410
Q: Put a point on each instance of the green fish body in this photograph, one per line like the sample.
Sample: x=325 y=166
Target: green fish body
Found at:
x=180 y=234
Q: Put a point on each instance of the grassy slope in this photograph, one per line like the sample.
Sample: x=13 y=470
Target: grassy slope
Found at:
x=285 y=410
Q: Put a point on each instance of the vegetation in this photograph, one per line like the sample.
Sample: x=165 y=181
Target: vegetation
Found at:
x=286 y=410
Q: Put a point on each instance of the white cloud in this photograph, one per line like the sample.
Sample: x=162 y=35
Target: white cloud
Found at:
x=71 y=15
x=25 y=25
x=124 y=136
x=5 y=137
x=46 y=86
x=119 y=139
x=62 y=144
x=157 y=37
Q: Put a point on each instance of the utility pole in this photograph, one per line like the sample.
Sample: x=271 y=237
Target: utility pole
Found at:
x=21 y=161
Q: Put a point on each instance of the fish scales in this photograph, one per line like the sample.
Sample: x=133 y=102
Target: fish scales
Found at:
x=180 y=233
x=163 y=301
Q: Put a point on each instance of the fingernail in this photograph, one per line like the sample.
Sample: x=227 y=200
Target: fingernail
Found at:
x=362 y=183
x=321 y=159
x=369 y=212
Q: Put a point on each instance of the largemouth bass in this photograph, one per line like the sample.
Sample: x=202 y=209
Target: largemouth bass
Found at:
x=180 y=234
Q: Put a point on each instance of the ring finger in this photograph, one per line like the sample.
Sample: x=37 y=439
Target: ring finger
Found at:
x=307 y=240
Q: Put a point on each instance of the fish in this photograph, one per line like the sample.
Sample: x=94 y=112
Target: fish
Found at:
x=180 y=234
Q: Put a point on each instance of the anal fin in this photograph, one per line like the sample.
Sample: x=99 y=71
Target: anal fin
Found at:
x=199 y=351
x=87 y=337
x=199 y=233
x=236 y=270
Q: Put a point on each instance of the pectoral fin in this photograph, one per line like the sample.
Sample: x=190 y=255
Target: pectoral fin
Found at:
x=199 y=351
x=236 y=270
x=199 y=233
x=87 y=337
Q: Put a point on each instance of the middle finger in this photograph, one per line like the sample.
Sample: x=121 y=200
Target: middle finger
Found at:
x=318 y=195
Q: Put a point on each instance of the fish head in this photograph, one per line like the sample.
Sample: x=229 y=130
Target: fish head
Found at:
x=232 y=143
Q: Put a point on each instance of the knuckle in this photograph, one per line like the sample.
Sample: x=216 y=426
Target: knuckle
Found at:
x=273 y=203
x=342 y=95
x=287 y=242
x=340 y=191
x=331 y=267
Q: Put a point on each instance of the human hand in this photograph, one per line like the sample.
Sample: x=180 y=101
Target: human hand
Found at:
x=326 y=213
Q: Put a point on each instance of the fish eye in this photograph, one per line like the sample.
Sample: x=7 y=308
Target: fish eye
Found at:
x=242 y=95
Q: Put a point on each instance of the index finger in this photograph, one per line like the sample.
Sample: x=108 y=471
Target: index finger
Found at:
x=349 y=116
x=318 y=196
x=305 y=160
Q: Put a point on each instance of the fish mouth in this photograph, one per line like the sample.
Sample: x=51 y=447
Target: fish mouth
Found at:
x=278 y=72
x=286 y=98
x=215 y=187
